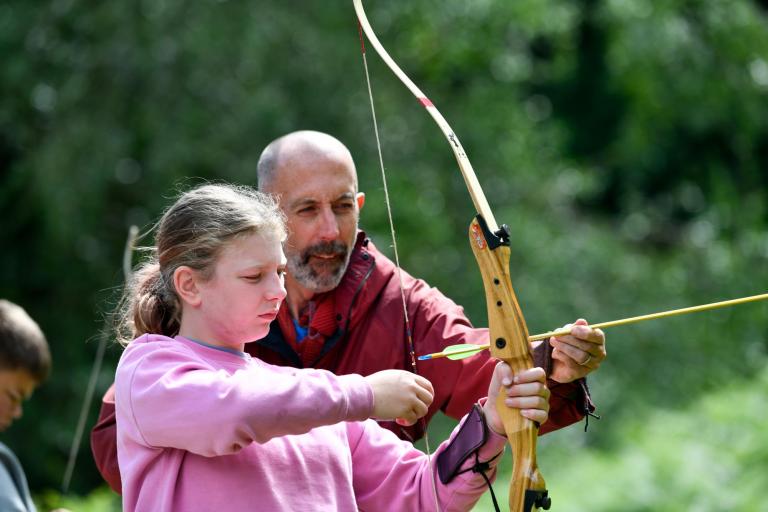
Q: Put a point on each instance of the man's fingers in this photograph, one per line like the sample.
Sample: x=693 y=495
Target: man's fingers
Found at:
x=580 y=330
x=580 y=343
x=576 y=348
x=577 y=353
x=584 y=332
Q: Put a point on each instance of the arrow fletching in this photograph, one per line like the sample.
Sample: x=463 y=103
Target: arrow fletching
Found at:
x=456 y=352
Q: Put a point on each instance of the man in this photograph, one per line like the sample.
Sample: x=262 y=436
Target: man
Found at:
x=344 y=309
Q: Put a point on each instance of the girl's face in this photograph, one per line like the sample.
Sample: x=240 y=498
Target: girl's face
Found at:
x=244 y=294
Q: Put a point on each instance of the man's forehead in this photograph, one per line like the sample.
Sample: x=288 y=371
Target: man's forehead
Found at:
x=321 y=180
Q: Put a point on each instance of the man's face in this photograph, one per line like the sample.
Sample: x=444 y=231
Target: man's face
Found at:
x=15 y=387
x=322 y=206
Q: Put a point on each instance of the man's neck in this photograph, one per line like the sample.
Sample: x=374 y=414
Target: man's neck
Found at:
x=298 y=297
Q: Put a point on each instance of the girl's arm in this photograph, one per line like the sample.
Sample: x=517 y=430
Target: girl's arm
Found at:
x=167 y=396
x=390 y=474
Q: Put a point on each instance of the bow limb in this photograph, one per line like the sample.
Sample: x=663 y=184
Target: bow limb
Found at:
x=508 y=332
x=475 y=191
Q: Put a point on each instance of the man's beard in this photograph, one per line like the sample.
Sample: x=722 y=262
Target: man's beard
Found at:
x=319 y=275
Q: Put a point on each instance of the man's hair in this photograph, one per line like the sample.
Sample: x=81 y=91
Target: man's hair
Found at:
x=22 y=343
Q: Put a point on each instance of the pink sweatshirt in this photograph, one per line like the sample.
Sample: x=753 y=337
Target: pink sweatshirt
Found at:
x=201 y=428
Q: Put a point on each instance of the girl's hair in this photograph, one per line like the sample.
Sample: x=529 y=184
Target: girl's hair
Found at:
x=192 y=232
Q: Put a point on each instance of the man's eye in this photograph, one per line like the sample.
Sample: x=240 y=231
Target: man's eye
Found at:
x=254 y=278
x=344 y=207
x=307 y=210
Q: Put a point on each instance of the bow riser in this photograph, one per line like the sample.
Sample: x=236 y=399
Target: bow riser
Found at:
x=509 y=343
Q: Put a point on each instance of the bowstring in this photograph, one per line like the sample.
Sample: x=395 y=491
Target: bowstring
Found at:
x=98 y=359
x=408 y=331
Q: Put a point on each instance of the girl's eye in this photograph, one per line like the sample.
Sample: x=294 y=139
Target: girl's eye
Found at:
x=254 y=278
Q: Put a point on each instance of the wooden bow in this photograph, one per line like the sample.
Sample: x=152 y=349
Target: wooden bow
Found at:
x=508 y=332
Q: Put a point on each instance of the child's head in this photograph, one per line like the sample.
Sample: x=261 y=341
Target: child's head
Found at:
x=24 y=360
x=203 y=226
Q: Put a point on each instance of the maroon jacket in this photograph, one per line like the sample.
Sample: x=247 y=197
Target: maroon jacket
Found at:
x=371 y=337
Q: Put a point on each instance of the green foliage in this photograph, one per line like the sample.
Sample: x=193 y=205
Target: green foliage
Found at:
x=100 y=500
x=624 y=142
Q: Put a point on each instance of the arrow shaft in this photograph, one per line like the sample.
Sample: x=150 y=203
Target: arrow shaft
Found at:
x=654 y=316
x=612 y=323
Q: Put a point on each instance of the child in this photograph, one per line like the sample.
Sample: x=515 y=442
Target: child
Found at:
x=24 y=363
x=203 y=426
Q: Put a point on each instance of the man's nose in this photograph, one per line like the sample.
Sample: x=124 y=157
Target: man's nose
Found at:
x=328 y=225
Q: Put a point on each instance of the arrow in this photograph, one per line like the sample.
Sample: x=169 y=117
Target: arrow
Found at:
x=456 y=352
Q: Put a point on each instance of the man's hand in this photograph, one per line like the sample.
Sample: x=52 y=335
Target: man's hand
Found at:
x=577 y=354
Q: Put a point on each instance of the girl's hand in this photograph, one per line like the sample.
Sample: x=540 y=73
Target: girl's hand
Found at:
x=400 y=395
x=526 y=391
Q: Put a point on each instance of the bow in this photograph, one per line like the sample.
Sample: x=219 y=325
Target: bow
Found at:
x=508 y=331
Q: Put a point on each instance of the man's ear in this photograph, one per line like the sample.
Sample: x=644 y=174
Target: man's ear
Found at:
x=360 y=198
x=185 y=282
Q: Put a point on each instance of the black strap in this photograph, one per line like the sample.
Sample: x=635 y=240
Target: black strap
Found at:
x=482 y=467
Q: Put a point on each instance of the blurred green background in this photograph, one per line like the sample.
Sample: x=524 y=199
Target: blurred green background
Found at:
x=625 y=142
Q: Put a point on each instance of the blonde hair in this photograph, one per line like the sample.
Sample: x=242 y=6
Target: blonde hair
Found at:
x=192 y=232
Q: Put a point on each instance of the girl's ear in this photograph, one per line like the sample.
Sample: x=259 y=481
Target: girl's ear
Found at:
x=185 y=282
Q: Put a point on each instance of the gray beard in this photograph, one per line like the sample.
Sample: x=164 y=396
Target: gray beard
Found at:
x=301 y=270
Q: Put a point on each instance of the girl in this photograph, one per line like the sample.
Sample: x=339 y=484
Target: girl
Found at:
x=203 y=426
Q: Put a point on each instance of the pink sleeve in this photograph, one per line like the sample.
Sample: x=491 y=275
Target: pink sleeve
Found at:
x=167 y=397
x=390 y=474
